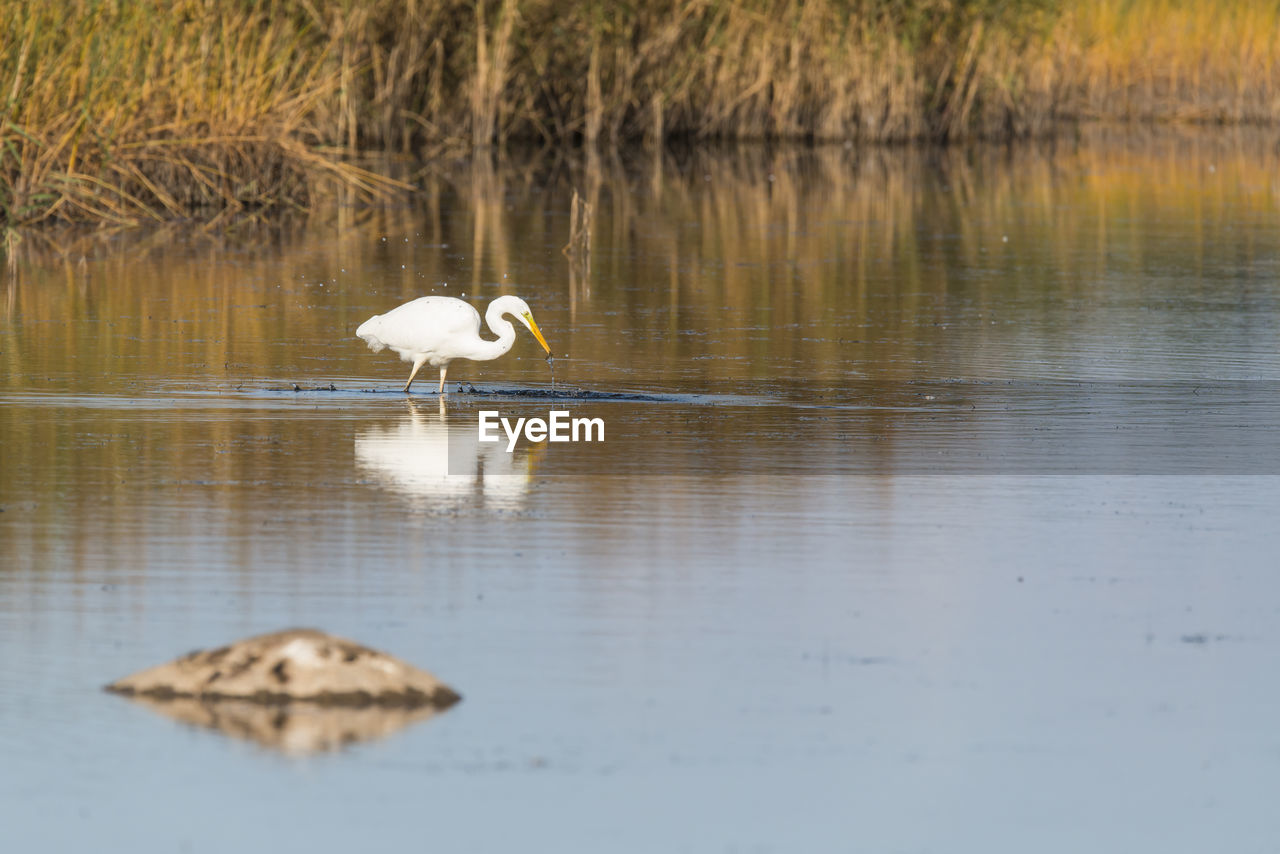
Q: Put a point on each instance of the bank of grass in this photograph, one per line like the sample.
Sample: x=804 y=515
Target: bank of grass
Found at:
x=126 y=110
x=146 y=109
x=1169 y=60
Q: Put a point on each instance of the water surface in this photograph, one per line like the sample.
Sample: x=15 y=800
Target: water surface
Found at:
x=950 y=524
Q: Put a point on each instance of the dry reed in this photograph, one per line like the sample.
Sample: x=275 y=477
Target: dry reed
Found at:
x=134 y=110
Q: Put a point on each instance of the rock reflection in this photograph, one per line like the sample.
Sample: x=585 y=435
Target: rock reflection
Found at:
x=441 y=464
x=298 y=729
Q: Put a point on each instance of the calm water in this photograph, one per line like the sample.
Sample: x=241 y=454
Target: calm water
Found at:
x=950 y=525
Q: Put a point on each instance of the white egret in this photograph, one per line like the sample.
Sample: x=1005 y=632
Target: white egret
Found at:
x=437 y=330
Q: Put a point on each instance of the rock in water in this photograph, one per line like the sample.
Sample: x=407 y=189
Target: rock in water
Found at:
x=294 y=666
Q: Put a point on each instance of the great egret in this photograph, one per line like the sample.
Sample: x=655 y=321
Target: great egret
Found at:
x=437 y=330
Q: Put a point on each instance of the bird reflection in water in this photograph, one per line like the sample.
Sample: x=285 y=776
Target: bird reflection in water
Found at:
x=439 y=461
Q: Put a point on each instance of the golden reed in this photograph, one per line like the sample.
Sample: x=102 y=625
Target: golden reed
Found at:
x=128 y=110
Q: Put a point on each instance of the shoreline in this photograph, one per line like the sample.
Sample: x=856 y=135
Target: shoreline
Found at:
x=141 y=111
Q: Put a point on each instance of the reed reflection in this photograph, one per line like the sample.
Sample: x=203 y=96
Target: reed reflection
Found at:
x=695 y=270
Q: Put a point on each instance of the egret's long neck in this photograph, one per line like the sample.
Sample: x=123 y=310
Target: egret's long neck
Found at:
x=484 y=350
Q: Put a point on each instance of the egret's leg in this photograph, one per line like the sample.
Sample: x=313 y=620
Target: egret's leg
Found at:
x=418 y=363
x=442 y=370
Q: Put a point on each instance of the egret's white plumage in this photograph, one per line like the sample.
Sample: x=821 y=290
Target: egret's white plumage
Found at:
x=437 y=330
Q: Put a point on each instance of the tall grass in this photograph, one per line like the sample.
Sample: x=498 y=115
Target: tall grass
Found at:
x=145 y=109
x=127 y=110
x=1170 y=60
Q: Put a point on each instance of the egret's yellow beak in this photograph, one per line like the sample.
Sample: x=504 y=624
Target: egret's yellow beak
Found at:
x=537 y=333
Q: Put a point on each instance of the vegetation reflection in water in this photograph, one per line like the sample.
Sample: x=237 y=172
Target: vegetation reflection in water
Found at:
x=808 y=267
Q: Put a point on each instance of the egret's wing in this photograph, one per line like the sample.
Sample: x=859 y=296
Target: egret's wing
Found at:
x=424 y=325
